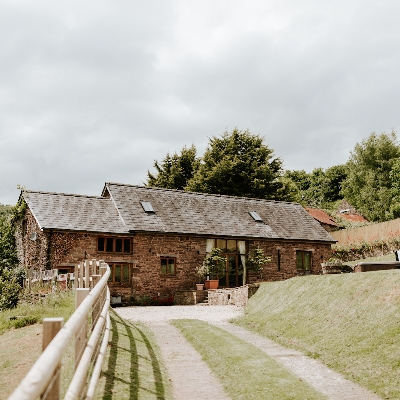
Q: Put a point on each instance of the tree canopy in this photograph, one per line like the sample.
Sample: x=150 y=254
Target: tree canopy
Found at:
x=174 y=172
x=368 y=185
x=239 y=164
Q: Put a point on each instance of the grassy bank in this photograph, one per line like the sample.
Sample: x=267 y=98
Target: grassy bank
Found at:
x=351 y=322
x=244 y=371
x=60 y=304
x=132 y=368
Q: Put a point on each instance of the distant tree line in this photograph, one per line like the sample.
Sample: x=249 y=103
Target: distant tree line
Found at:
x=238 y=163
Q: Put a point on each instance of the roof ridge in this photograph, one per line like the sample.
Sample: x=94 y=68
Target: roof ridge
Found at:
x=64 y=194
x=201 y=194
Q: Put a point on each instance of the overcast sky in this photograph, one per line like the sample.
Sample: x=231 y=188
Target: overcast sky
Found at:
x=94 y=91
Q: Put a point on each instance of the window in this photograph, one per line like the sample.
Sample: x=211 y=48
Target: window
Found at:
x=168 y=265
x=255 y=216
x=120 y=273
x=303 y=261
x=147 y=207
x=113 y=245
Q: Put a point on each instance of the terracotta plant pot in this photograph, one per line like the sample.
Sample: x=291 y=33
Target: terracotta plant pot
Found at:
x=199 y=286
x=212 y=284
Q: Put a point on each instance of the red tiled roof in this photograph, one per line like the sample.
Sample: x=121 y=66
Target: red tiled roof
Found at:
x=353 y=217
x=321 y=216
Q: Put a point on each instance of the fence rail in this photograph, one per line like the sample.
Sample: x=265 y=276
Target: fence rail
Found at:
x=368 y=233
x=43 y=379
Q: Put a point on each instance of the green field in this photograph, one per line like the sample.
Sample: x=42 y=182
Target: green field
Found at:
x=350 y=322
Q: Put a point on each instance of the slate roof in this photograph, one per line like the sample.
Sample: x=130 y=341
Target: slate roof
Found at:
x=74 y=212
x=217 y=215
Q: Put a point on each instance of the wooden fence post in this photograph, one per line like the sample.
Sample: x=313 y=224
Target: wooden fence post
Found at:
x=81 y=336
x=87 y=274
x=51 y=326
x=81 y=275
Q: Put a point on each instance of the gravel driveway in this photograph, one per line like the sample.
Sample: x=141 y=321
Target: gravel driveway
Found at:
x=190 y=374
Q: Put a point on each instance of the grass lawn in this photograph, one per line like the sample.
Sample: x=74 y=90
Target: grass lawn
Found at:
x=20 y=346
x=133 y=368
x=244 y=371
x=351 y=322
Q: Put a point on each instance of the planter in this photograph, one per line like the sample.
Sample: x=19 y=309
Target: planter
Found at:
x=331 y=268
x=116 y=300
x=199 y=286
x=212 y=284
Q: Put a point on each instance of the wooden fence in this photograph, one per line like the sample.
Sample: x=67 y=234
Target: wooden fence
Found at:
x=89 y=325
x=368 y=233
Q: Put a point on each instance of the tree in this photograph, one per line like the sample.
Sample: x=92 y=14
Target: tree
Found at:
x=395 y=178
x=175 y=171
x=320 y=188
x=368 y=185
x=239 y=164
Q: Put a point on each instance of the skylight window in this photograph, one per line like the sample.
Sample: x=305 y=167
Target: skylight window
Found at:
x=255 y=216
x=147 y=206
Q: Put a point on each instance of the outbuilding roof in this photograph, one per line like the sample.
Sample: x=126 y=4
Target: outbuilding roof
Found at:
x=74 y=212
x=176 y=211
x=321 y=216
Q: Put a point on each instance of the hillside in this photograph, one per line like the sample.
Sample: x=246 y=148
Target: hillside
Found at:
x=351 y=322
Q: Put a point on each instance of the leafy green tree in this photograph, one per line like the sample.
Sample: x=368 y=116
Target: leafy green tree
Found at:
x=395 y=178
x=320 y=188
x=368 y=185
x=11 y=276
x=239 y=164
x=174 y=171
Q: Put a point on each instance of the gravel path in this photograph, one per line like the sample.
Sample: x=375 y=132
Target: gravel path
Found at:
x=189 y=373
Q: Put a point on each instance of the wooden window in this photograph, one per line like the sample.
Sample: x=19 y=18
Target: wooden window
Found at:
x=113 y=245
x=120 y=273
x=168 y=265
x=303 y=260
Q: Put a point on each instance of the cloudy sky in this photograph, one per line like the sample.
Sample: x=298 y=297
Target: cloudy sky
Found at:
x=94 y=91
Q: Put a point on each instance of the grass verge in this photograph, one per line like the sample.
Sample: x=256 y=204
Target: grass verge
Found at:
x=351 y=322
x=133 y=368
x=244 y=371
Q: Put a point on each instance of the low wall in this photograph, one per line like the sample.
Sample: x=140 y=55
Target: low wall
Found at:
x=231 y=296
x=188 y=297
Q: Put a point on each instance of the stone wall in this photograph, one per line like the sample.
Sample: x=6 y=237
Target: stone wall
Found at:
x=231 y=296
x=287 y=269
x=188 y=297
x=189 y=252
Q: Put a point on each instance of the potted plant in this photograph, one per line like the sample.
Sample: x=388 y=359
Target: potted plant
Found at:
x=201 y=272
x=213 y=266
x=256 y=261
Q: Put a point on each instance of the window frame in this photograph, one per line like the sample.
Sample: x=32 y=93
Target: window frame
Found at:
x=122 y=264
x=106 y=241
x=302 y=268
x=167 y=258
